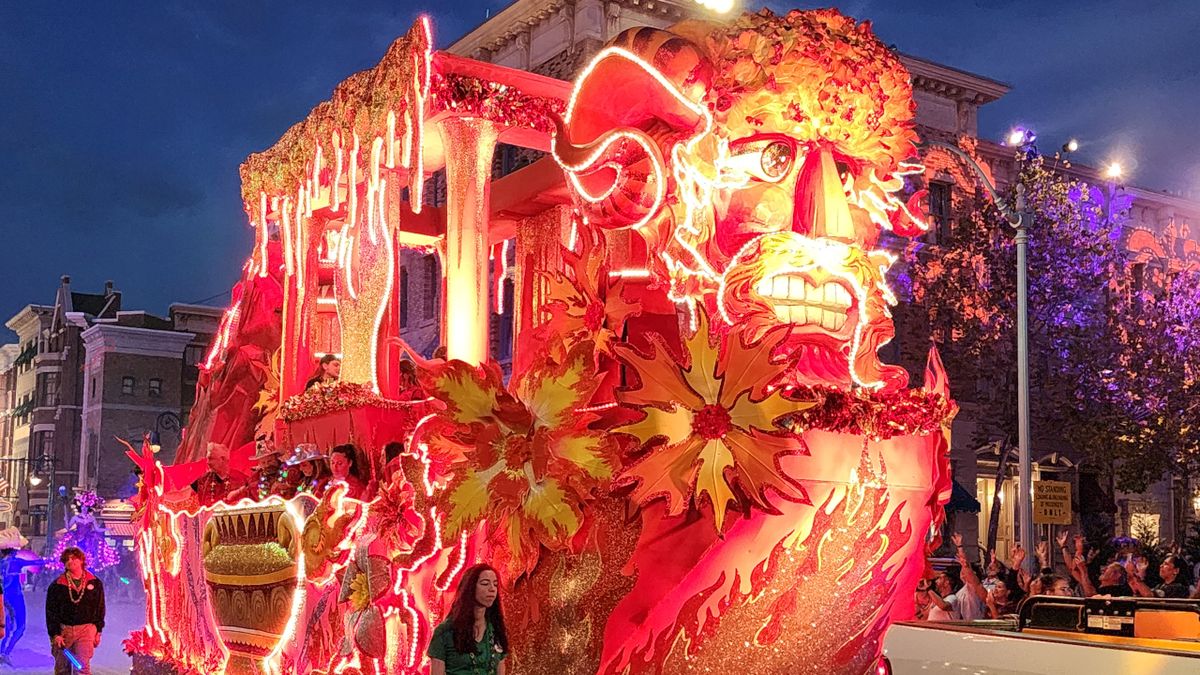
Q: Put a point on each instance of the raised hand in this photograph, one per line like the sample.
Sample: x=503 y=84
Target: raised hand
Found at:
x=1043 y=548
x=1062 y=538
x=1142 y=565
x=1079 y=544
x=1016 y=555
x=1131 y=568
x=956 y=539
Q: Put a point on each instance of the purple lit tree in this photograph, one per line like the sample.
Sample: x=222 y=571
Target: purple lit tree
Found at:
x=1148 y=396
x=963 y=293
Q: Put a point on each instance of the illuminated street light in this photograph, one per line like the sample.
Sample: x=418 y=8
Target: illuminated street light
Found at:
x=35 y=480
x=1020 y=137
x=1113 y=171
x=1071 y=145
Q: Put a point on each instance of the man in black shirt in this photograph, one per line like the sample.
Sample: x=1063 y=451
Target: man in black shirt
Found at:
x=1173 y=585
x=74 y=614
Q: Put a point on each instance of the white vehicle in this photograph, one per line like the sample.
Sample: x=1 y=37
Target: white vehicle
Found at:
x=1055 y=636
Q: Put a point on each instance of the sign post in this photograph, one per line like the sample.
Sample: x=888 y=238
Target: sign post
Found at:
x=1052 y=502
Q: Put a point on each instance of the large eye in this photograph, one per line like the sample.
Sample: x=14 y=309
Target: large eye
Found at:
x=776 y=160
x=764 y=159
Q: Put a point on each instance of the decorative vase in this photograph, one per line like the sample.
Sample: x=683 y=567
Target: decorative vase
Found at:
x=251 y=560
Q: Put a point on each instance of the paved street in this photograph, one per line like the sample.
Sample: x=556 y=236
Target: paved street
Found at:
x=32 y=655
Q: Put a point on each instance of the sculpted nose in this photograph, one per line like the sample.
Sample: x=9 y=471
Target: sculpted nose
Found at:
x=821 y=210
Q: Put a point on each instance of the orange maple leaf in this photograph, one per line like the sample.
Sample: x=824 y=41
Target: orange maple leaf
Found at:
x=716 y=416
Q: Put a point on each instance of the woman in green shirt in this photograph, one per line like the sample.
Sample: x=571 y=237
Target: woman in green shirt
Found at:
x=473 y=640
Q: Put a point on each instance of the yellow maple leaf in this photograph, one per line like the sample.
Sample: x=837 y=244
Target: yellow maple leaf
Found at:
x=470 y=396
x=749 y=414
x=701 y=374
x=553 y=391
x=469 y=499
x=662 y=381
x=674 y=423
x=584 y=451
x=667 y=472
x=714 y=459
x=546 y=504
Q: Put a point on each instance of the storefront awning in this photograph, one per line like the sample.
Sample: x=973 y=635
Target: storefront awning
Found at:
x=121 y=530
x=962 y=501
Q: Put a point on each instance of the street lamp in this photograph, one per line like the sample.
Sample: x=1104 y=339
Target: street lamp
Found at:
x=1019 y=220
x=167 y=421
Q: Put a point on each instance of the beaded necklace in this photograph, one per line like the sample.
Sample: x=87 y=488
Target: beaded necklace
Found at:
x=72 y=587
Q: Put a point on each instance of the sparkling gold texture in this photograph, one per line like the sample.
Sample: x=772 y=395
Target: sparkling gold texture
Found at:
x=470 y=144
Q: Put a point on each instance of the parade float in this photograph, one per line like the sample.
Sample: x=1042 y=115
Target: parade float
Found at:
x=698 y=461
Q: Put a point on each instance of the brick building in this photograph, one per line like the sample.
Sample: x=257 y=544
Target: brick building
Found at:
x=52 y=400
x=140 y=373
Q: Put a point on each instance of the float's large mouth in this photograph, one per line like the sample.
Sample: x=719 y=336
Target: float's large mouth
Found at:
x=800 y=301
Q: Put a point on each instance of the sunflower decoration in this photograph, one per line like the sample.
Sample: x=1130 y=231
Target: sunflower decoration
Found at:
x=524 y=461
x=707 y=430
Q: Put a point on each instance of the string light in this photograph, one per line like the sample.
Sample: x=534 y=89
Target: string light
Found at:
x=262 y=232
x=271 y=663
x=335 y=194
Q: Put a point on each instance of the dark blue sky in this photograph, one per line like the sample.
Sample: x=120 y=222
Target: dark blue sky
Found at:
x=122 y=125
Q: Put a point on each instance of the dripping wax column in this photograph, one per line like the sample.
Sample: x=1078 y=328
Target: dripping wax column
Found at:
x=469 y=145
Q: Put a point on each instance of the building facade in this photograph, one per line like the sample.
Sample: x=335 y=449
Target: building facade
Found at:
x=64 y=399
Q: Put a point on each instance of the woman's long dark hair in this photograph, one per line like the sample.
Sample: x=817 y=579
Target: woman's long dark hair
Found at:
x=462 y=612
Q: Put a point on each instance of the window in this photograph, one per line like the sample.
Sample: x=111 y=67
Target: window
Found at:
x=93 y=394
x=939 y=210
x=127 y=385
x=47 y=387
x=433 y=286
x=403 y=298
x=44 y=442
x=193 y=355
x=155 y=387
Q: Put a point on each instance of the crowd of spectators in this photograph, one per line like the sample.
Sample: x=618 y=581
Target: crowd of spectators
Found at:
x=966 y=591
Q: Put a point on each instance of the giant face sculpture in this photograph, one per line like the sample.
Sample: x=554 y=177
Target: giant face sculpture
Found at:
x=760 y=161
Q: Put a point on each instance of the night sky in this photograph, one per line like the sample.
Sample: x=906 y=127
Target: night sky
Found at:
x=122 y=125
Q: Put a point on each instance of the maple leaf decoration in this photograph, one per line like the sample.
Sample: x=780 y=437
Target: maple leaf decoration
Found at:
x=584 y=305
x=714 y=425
x=267 y=404
x=531 y=463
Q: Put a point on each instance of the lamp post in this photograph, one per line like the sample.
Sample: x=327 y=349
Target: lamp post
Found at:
x=167 y=421
x=1018 y=219
x=39 y=465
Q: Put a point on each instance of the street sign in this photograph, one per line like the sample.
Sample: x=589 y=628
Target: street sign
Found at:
x=1052 y=502
x=37 y=510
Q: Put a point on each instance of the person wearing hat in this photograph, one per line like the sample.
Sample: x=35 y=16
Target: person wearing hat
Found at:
x=307 y=472
x=265 y=474
x=220 y=479
x=13 y=561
